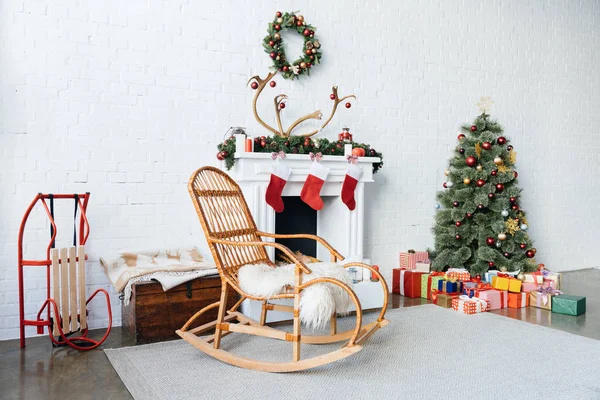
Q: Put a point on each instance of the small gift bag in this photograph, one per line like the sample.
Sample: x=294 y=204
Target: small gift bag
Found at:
x=468 y=305
x=410 y=258
x=568 y=305
x=460 y=274
x=518 y=300
x=542 y=297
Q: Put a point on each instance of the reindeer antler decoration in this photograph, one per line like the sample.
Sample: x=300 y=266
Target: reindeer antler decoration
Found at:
x=259 y=84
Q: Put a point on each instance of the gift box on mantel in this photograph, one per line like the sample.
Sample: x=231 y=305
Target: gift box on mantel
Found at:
x=569 y=305
x=410 y=258
x=506 y=282
x=518 y=300
x=449 y=286
x=497 y=298
x=542 y=297
x=406 y=283
x=470 y=305
x=460 y=274
x=430 y=281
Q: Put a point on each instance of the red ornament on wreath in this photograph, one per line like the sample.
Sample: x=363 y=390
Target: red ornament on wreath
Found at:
x=455 y=204
x=515 y=174
x=515 y=207
x=471 y=161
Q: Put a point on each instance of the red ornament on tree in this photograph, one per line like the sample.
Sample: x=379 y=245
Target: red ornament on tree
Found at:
x=458 y=237
x=480 y=182
x=490 y=241
x=515 y=174
x=272 y=84
x=455 y=203
x=461 y=136
x=471 y=161
x=515 y=207
x=254 y=85
x=348 y=105
x=461 y=150
x=522 y=246
x=278 y=14
x=458 y=223
x=530 y=253
x=513 y=199
x=506 y=254
x=486 y=145
x=332 y=96
x=480 y=206
x=499 y=187
x=501 y=140
x=469 y=215
x=444 y=185
x=494 y=172
x=473 y=128
x=491 y=196
x=491 y=264
x=509 y=147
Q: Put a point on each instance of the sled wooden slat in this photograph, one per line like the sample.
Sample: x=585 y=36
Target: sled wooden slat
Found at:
x=55 y=287
x=81 y=286
x=64 y=289
x=72 y=287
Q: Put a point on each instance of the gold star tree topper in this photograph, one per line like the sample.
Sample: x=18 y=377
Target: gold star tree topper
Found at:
x=485 y=103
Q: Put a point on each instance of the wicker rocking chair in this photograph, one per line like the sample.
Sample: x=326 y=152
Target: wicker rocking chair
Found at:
x=235 y=241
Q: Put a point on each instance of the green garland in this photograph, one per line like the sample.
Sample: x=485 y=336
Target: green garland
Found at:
x=273 y=45
x=295 y=145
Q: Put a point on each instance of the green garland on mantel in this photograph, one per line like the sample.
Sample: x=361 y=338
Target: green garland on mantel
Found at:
x=295 y=145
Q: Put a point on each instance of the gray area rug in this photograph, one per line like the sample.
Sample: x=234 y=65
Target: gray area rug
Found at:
x=426 y=352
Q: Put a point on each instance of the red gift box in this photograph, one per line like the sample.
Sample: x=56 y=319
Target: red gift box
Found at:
x=410 y=258
x=406 y=283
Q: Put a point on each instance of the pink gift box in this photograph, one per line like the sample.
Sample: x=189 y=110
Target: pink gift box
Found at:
x=409 y=260
x=496 y=298
x=529 y=287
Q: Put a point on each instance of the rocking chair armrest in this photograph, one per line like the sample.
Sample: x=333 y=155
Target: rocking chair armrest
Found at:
x=319 y=239
x=278 y=246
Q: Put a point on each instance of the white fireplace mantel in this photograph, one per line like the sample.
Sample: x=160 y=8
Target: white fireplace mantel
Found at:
x=343 y=228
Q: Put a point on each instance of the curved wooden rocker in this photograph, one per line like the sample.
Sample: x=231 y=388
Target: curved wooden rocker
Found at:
x=235 y=241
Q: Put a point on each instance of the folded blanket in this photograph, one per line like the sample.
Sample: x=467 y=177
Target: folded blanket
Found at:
x=170 y=266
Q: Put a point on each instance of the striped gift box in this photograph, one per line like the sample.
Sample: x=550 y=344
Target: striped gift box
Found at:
x=460 y=274
x=470 y=305
x=409 y=259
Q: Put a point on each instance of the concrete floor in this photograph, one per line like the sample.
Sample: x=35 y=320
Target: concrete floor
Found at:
x=42 y=372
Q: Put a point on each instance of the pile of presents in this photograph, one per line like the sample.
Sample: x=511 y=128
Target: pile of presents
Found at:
x=457 y=289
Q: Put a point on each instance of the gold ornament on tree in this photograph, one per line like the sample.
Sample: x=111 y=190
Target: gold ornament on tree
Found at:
x=447 y=172
x=479 y=167
x=502 y=236
x=512 y=157
x=478 y=150
x=512 y=226
x=466 y=181
x=498 y=161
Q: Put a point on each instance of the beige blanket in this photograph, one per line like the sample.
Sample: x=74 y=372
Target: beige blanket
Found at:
x=129 y=266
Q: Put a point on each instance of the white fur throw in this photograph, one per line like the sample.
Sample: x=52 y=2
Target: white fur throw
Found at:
x=317 y=302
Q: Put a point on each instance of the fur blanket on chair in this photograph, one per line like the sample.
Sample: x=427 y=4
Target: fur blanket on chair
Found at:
x=317 y=302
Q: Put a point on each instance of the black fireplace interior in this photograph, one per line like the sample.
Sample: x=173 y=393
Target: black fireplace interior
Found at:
x=296 y=217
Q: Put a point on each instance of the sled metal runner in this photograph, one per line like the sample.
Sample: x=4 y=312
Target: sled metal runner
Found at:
x=235 y=241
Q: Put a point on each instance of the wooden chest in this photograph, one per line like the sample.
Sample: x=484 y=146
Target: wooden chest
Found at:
x=153 y=315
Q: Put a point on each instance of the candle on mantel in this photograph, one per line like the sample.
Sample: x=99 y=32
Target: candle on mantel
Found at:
x=249 y=145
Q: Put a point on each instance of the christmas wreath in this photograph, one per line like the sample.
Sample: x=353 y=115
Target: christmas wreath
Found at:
x=273 y=45
x=295 y=145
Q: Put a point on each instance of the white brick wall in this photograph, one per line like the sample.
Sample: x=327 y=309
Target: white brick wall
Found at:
x=126 y=98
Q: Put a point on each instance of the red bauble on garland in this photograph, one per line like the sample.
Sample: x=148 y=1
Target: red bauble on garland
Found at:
x=480 y=182
x=278 y=14
x=490 y=241
x=486 y=145
x=306 y=32
x=501 y=140
x=220 y=156
x=509 y=147
x=473 y=128
x=471 y=161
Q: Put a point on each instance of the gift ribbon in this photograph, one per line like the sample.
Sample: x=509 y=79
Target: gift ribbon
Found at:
x=351 y=159
x=315 y=157
x=402 y=272
x=429 y=281
x=276 y=154
x=544 y=294
x=435 y=293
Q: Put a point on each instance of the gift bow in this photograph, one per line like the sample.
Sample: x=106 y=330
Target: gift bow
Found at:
x=279 y=154
x=452 y=280
x=503 y=275
x=318 y=157
x=484 y=286
x=437 y=273
x=351 y=159
x=544 y=292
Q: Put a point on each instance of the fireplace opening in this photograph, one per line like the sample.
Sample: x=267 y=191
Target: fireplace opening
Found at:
x=296 y=217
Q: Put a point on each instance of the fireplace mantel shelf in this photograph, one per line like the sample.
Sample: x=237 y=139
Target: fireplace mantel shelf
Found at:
x=304 y=157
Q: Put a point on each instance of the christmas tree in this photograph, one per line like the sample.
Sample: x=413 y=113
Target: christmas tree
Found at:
x=479 y=224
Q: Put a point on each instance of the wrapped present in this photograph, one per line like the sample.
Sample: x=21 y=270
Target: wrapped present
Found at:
x=406 y=283
x=443 y=299
x=430 y=281
x=470 y=291
x=460 y=274
x=423 y=266
x=569 y=305
x=497 y=298
x=506 y=282
x=542 y=297
x=449 y=286
x=551 y=279
x=410 y=258
x=518 y=300
x=470 y=305
x=488 y=275
x=529 y=286
x=533 y=277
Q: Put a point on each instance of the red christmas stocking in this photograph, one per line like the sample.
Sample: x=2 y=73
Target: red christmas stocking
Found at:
x=311 y=191
x=353 y=174
x=279 y=177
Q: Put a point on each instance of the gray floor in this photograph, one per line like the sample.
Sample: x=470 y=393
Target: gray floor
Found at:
x=42 y=372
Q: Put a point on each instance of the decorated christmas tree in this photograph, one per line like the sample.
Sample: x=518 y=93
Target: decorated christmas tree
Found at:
x=479 y=224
